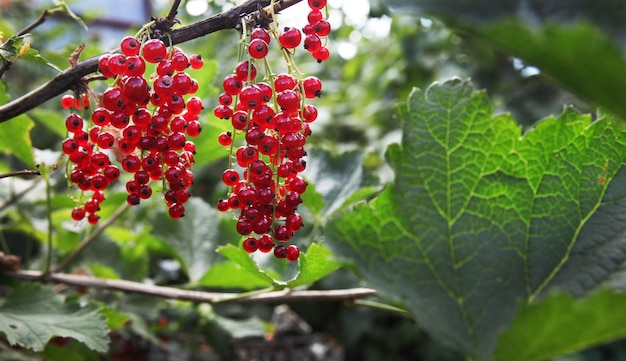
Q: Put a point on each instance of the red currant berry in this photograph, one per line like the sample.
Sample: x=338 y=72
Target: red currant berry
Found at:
x=312 y=87
x=225 y=139
x=196 y=61
x=74 y=123
x=154 y=50
x=67 y=101
x=265 y=243
x=280 y=251
x=258 y=49
x=260 y=33
x=292 y=253
x=290 y=38
x=314 y=16
x=78 y=213
x=317 y=4
x=250 y=245
x=232 y=84
x=230 y=177
x=130 y=46
x=312 y=43
x=176 y=211
x=246 y=71
x=284 y=82
x=322 y=28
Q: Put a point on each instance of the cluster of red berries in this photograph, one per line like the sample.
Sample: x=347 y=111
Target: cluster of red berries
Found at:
x=264 y=187
x=144 y=123
x=315 y=32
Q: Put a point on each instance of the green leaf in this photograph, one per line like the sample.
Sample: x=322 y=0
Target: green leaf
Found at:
x=231 y=275
x=33 y=56
x=194 y=237
x=549 y=37
x=336 y=177
x=561 y=324
x=15 y=139
x=32 y=315
x=316 y=263
x=115 y=319
x=247 y=264
x=207 y=147
x=480 y=217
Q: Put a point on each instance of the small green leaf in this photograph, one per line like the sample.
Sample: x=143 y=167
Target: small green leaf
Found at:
x=247 y=264
x=32 y=315
x=562 y=324
x=115 y=319
x=33 y=56
x=230 y=274
x=316 y=263
x=207 y=147
x=15 y=139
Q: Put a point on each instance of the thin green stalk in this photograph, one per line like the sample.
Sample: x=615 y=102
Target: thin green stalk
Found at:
x=50 y=227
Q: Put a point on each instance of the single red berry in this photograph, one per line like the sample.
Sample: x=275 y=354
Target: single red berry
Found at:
x=250 y=245
x=321 y=55
x=78 y=213
x=292 y=253
x=93 y=218
x=196 y=61
x=133 y=199
x=258 y=49
x=103 y=66
x=312 y=43
x=154 y=50
x=288 y=100
x=314 y=16
x=230 y=177
x=260 y=33
x=74 y=123
x=246 y=70
x=130 y=46
x=294 y=222
x=176 y=211
x=265 y=243
x=284 y=82
x=117 y=64
x=290 y=38
x=232 y=84
x=280 y=251
x=194 y=128
x=317 y=4
x=312 y=87
x=225 y=138
x=322 y=28
x=67 y=101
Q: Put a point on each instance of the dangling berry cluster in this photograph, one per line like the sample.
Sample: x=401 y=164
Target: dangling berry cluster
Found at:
x=315 y=32
x=272 y=118
x=144 y=121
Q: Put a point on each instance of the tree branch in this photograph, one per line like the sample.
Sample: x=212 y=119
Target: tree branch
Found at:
x=286 y=295
x=67 y=79
x=20 y=173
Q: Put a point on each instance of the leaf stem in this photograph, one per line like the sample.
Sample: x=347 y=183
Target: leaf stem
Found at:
x=381 y=306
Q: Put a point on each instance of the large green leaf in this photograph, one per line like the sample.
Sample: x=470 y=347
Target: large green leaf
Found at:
x=561 y=324
x=32 y=315
x=480 y=217
x=548 y=35
x=15 y=134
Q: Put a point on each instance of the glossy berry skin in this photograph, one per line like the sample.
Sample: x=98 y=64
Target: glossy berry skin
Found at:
x=258 y=49
x=250 y=244
x=292 y=253
x=312 y=87
x=290 y=38
x=154 y=50
x=130 y=46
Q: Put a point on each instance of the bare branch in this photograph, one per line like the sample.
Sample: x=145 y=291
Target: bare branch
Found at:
x=68 y=79
x=20 y=173
x=195 y=296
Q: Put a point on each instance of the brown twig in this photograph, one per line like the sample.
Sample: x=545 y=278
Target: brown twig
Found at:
x=67 y=79
x=20 y=173
x=195 y=296
x=171 y=16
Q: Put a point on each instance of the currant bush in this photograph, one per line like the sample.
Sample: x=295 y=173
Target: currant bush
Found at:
x=142 y=123
x=270 y=123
